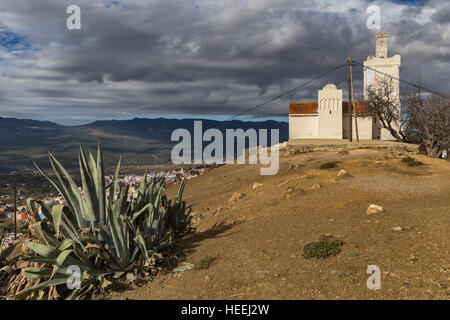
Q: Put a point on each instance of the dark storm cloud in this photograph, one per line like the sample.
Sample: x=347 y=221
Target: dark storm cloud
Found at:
x=211 y=57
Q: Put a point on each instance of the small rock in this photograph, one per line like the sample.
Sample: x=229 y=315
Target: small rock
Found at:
x=343 y=173
x=316 y=186
x=256 y=186
x=373 y=208
x=236 y=196
x=291 y=191
x=396 y=229
x=327 y=237
x=331 y=220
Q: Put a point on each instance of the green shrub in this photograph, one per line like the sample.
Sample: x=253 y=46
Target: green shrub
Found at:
x=329 y=165
x=411 y=162
x=322 y=249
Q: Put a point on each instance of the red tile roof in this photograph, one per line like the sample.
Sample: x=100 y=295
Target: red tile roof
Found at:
x=360 y=107
x=312 y=107
x=303 y=107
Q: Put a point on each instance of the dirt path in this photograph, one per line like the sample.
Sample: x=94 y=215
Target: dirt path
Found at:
x=258 y=240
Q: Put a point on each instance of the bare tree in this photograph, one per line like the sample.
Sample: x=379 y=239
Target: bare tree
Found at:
x=383 y=103
x=430 y=118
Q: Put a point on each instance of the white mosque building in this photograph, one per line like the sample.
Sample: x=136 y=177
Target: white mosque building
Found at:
x=328 y=117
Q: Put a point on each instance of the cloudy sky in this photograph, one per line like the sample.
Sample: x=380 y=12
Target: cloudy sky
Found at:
x=212 y=58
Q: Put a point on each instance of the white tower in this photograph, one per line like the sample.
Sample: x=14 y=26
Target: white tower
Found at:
x=378 y=67
x=330 y=112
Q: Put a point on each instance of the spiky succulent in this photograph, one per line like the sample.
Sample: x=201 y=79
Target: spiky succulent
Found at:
x=103 y=231
x=6 y=262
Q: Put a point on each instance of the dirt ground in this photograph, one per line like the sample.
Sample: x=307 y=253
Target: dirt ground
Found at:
x=258 y=239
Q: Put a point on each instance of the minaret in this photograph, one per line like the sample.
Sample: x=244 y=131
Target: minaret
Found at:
x=381 y=45
x=382 y=66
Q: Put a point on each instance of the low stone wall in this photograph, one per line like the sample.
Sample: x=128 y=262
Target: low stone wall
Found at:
x=341 y=145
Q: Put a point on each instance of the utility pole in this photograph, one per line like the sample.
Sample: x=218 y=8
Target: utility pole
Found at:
x=15 y=211
x=351 y=98
x=349 y=108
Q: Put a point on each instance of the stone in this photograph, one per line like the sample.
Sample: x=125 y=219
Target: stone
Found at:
x=396 y=229
x=256 y=186
x=317 y=186
x=236 y=197
x=219 y=210
x=292 y=191
x=343 y=152
x=373 y=209
x=343 y=173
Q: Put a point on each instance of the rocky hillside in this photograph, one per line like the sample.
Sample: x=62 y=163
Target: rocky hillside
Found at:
x=252 y=230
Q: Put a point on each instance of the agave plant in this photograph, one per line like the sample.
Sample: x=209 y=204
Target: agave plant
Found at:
x=5 y=264
x=179 y=215
x=102 y=230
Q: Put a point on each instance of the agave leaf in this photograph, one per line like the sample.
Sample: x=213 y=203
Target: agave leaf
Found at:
x=57 y=212
x=45 y=235
x=119 y=204
x=60 y=261
x=71 y=193
x=100 y=185
x=43 y=273
x=4 y=253
x=139 y=240
x=65 y=244
x=90 y=202
x=114 y=182
x=49 y=254
x=43 y=250
x=6 y=269
x=137 y=214
x=181 y=190
x=40 y=286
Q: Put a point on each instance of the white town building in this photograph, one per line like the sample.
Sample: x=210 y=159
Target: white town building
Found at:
x=328 y=117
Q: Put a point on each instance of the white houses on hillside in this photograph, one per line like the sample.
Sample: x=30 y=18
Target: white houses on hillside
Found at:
x=327 y=118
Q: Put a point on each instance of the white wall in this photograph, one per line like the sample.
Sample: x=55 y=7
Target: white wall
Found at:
x=365 y=128
x=303 y=126
x=330 y=112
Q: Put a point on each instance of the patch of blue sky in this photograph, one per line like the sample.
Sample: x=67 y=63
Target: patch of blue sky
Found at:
x=13 y=42
x=411 y=2
x=115 y=4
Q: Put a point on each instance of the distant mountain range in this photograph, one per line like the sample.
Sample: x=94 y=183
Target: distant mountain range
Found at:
x=139 y=141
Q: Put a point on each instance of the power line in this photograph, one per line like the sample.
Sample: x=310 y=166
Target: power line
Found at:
x=264 y=103
x=354 y=63
x=400 y=80
x=287 y=92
